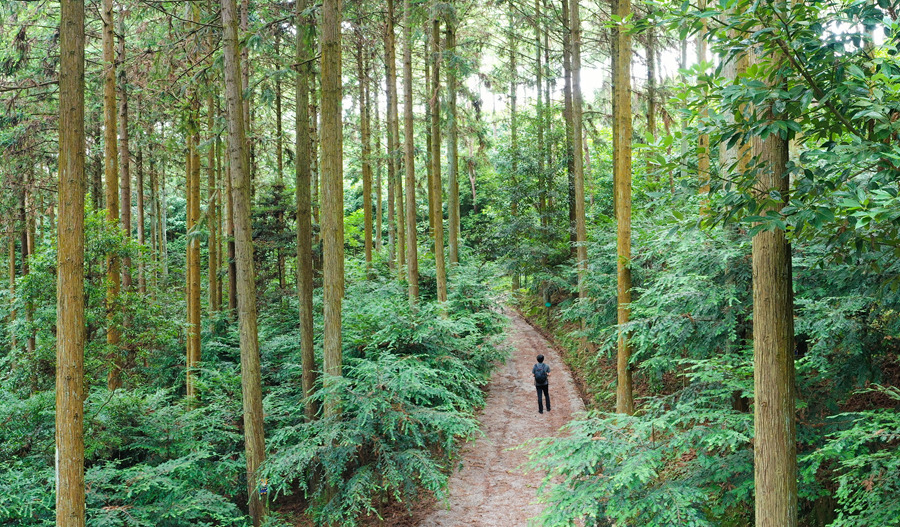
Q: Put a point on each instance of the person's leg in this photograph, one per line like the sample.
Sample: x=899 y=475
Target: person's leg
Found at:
x=540 y=402
x=546 y=391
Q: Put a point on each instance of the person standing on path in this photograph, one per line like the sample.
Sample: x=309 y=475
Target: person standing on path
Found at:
x=541 y=374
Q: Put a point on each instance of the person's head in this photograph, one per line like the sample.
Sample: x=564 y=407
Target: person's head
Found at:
x=540 y=358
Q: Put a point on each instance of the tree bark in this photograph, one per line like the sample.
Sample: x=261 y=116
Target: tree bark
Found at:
x=393 y=126
x=702 y=139
x=567 y=114
x=305 y=53
x=142 y=237
x=70 y=492
x=412 y=258
x=211 y=194
x=513 y=128
x=332 y=192
x=622 y=129
x=251 y=383
x=577 y=150
x=437 y=194
x=111 y=175
x=775 y=446
x=124 y=151
x=452 y=151
x=362 y=75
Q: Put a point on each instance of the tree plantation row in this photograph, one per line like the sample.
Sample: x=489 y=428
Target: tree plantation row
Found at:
x=279 y=235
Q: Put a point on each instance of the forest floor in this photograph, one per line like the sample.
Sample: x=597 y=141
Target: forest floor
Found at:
x=490 y=489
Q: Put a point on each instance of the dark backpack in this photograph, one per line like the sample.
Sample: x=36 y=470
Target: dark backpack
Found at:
x=540 y=374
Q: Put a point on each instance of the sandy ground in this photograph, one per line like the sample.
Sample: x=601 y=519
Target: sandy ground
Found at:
x=490 y=490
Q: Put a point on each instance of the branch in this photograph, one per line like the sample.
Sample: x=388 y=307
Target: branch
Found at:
x=4 y=89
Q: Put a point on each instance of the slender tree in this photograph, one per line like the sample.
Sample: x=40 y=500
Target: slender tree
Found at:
x=578 y=148
x=452 y=148
x=622 y=130
x=437 y=208
x=111 y=175
x=251 y=381
x=775 y=439
x=332 y=191
x=305 y=53
x=567 y=114
x=365 y=138
x=70 y=492
x=412 y=258
x=124 y=149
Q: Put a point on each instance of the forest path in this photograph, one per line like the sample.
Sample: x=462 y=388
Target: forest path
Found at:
x=489 y=489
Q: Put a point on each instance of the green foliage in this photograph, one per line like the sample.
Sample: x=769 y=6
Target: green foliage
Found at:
x=411 y=383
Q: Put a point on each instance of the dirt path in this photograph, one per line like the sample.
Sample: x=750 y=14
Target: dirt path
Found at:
x=489 y=490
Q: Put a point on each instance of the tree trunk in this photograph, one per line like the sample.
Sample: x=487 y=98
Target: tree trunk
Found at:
x=429 y=89
x=437 y=194
x=279 y=164
x=412 y=258
x=332 y=192
x=567 y=114
x=379 y=181
x=305 y=53
x=212 y=224
x=577 y=150
x=11 y=247
x=651 y=80
x=251 y=383
x=622 y=169
x=70 y=493
x=702 y=139
x=142 y=237
x=393 y=126
x=362 y=75
x=513 y=128
x=111 y=175
x=774 y=449
x=229 y=231
x=124 y=151
x=452 y=151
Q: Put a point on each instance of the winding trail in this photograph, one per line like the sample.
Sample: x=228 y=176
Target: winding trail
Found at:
x=489 y=489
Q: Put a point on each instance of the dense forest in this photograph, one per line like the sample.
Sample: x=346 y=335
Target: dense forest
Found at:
x=264 y=259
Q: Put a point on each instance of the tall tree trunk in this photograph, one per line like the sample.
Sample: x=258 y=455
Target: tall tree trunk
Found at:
x=651 y=80
x=577 y=149
x=142 y=236
x=395 y=182
x=27 y=242
x=305 y=53
x=622 y=129
x=229 y=231
x=703 y=139
x=189 y=262
x=333 y=192
x=774 y=450
x=567 y=114
x=379 y=182
x=70 y=493
x=452 y=150
x=363 y=77
x=429 y=89
x=279 y=164
x=111 y=175
x=513 y=127
x=212 y=224
x=124 y=151
x=412 y=258
x=11 y=249
x=437 y=195
x=251 y=382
